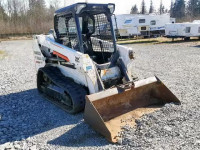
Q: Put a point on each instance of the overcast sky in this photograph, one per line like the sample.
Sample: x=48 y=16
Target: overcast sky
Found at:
x=122 y=6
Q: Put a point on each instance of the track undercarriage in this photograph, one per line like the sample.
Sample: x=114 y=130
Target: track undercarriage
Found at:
x=61 y=90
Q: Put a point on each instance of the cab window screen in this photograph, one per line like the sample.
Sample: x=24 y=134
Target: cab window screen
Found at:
x=62 y=29
x=66 y=28
x=102 y=39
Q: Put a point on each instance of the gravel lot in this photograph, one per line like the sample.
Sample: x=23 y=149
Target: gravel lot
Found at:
x=29 y=122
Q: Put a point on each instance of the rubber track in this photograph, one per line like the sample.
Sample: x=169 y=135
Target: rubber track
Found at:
x=76 y=92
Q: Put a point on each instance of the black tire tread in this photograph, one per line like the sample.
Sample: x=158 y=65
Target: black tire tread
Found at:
x=76 y=91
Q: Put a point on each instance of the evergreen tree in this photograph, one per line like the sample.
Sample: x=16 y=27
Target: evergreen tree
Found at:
x=134 y=10
x=162 y=8
x=193 y=8
x=167 y=10
x=151 y=9
x=143 y=7
x=179 y=9
x=172 y=9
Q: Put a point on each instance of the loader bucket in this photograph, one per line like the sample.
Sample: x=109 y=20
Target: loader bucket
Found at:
x=108 y=111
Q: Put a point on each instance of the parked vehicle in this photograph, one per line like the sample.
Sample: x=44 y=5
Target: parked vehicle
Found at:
x=183 y=30
x=80 y=67
x=141 y=25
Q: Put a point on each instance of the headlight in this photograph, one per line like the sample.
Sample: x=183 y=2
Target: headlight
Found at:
x=79 y=7
x=111 y=7
x=131 y=54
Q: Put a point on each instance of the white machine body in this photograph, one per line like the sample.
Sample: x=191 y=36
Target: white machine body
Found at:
x=85 y=72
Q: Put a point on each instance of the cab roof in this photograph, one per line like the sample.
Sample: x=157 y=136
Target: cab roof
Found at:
x=90 y=7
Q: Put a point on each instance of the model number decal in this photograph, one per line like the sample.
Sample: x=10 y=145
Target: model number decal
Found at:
x=88 y=68
x=77 y=59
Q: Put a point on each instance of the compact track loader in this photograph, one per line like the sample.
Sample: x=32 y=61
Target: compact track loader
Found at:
x=80 y=67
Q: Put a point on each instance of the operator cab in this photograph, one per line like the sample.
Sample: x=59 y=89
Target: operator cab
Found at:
x=87 y=28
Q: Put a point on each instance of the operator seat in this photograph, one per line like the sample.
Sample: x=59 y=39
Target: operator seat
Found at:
x=87 y=44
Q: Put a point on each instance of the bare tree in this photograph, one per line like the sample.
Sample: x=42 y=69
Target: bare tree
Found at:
x=3 y=18
x=3 y=14
x=55 y=3
x=34 y=16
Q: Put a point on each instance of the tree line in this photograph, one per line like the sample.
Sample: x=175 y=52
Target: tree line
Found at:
x=26 y=16
x=34 y=16
x=180 y=9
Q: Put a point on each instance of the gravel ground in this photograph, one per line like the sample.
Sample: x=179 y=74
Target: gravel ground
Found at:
x=29 y=122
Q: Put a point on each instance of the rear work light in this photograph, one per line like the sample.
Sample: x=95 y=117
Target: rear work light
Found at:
x=111 y=7
x=79 y=7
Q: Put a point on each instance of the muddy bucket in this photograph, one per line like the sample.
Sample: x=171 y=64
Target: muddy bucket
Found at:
x=108 y=111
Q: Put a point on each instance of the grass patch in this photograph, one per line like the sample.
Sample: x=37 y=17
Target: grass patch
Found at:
x=159 y=40
x=16 y=38
x=2 y=54
x=143 y=41
x=138 y=41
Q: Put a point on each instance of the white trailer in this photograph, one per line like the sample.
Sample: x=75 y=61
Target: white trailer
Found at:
x=122 y=25
x=183 y=30
x=146 y=25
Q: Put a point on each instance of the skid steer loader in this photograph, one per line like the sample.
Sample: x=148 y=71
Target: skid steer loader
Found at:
x=80 y=67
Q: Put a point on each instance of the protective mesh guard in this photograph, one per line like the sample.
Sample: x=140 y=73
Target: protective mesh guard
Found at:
x=102 y=35
x=67 y=31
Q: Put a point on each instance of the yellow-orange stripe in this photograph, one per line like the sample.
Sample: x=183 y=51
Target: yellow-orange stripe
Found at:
x=61 y=56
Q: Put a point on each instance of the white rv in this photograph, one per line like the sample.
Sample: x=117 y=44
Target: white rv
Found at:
x=183 y=30
x=146 y=25
x=123 y=24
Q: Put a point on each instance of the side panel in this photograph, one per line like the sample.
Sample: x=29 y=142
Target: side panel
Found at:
x=39 y=58
x=161 y=20
x=179 y=30
x=171 y=30
x=195 y=30
x=124 y=54
x=83 y=71
x=124 y=28
x=130 y=27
